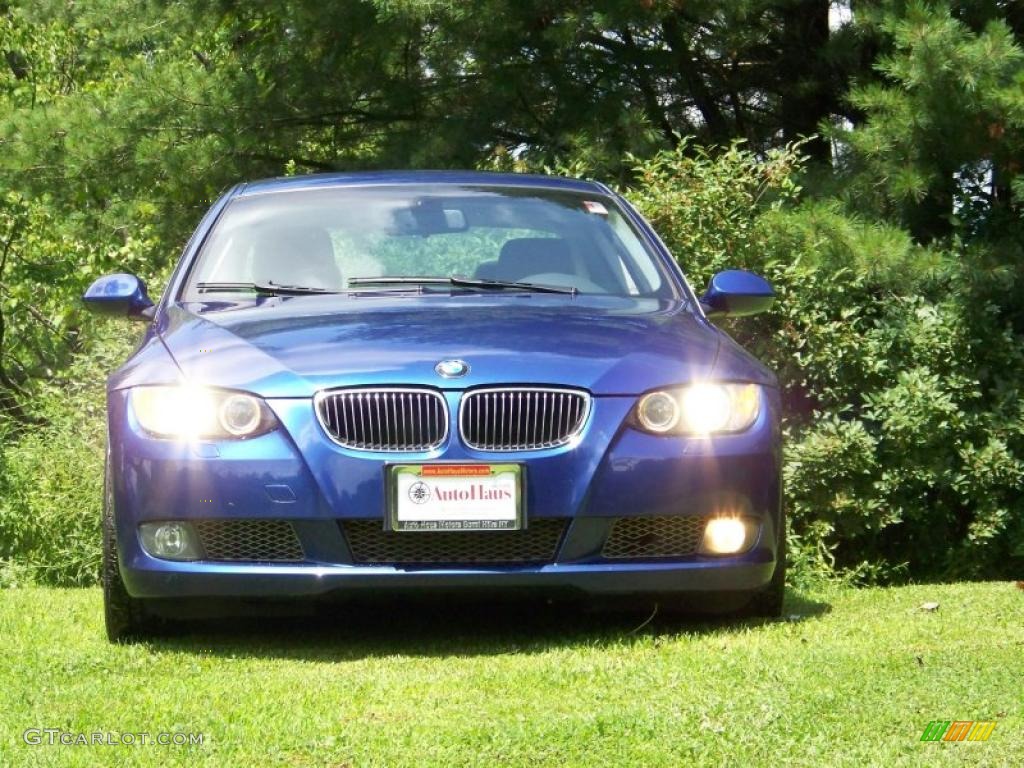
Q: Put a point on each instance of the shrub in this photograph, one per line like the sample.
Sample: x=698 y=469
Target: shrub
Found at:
x=904 y=451
x=52 y=477
x=899 y=367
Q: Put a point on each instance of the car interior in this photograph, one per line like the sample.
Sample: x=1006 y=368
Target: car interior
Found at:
x=520 y=242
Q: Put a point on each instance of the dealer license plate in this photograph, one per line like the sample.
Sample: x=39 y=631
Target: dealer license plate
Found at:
x=455 y=497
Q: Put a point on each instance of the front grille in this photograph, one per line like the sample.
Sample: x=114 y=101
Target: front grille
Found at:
x=521 y=418
x=384 y=419
x=259 y=540
x=644 y=537
x=371 y=544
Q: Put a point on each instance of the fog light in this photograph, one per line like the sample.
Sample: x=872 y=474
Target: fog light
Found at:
x=170 y=541
x=725 y=536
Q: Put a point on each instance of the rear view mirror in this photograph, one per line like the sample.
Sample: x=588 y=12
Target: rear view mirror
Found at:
x=119 y=294
x=735 y=293
x=430 y=217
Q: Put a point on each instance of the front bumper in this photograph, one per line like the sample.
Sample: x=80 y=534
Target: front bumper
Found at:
x=619 y=579
x=294 y=474
x=586 y=574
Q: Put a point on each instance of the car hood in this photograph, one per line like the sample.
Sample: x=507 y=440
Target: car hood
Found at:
x=292 y=347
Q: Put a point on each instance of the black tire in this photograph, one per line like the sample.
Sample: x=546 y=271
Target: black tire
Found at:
x=125 y=616
x=767 y=602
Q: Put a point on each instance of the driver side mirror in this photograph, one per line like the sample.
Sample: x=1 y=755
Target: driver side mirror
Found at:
x=120 y=294
x=736 y=293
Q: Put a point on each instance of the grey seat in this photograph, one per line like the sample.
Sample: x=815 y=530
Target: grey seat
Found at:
x=295 y=256
x=527 y=256
x=487 y=270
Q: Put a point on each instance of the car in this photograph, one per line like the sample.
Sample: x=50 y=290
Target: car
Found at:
x=436 y=383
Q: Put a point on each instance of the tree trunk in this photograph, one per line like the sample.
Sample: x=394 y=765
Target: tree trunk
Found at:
x=692 y=82
x=807 y=95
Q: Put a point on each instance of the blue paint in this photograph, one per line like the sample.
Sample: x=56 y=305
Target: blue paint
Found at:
x=286 y=349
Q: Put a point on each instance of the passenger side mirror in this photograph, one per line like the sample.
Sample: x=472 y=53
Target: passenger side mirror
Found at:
x=120 y=294
x=736 y=293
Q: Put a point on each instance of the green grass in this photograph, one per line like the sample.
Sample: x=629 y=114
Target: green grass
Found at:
x=851 y=678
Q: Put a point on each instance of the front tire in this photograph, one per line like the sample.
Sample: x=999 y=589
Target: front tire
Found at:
x=767 y=602
x=124 y=615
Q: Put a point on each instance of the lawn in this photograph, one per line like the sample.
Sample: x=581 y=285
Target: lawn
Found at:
x=851 y=677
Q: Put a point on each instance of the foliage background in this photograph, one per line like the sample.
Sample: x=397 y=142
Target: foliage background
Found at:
x=870 y=169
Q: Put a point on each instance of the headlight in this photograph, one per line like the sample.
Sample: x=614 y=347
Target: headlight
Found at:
x=188 y=412
x=700 y=409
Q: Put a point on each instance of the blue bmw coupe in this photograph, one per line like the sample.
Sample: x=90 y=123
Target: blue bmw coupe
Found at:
x=378 y=383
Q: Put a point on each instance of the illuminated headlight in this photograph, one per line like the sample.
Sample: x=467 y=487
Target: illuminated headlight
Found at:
x=700 y=409
x=188 y=412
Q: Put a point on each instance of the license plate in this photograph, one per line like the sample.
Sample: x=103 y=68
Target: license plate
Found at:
x=456 y=497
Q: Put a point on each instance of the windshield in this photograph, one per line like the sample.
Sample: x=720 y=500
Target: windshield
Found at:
x=338 y=239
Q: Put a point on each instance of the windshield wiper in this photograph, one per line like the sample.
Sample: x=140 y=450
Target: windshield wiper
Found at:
x=399 y=280
x=263 y=289
x=463 y=282
x=479 y=282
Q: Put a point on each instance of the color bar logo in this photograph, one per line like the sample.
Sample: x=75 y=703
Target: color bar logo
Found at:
x=958 y=730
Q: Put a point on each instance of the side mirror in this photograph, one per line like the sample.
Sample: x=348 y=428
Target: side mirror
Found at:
x=734 y=293
x=119 y=294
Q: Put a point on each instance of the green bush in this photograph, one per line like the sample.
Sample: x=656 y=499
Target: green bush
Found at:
x=51 y=477
x=903 y=422
x=899 y=367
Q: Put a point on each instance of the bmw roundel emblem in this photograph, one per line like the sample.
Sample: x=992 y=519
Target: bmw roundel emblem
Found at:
x=451 y=369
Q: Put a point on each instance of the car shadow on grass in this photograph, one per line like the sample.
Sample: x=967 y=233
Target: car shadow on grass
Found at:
x=351 y=631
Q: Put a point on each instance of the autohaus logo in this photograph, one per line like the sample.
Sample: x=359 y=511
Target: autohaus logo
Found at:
x=475 y=492
x=451 y=369
x=419 y=493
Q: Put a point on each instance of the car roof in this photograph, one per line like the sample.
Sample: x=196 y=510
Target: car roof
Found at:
x=374 y=178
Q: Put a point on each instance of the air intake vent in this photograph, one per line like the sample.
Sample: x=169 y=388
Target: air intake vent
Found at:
x=648 y=537
x=522 y=418
x=252 y=540
x=371 y=544
x=384 y=419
